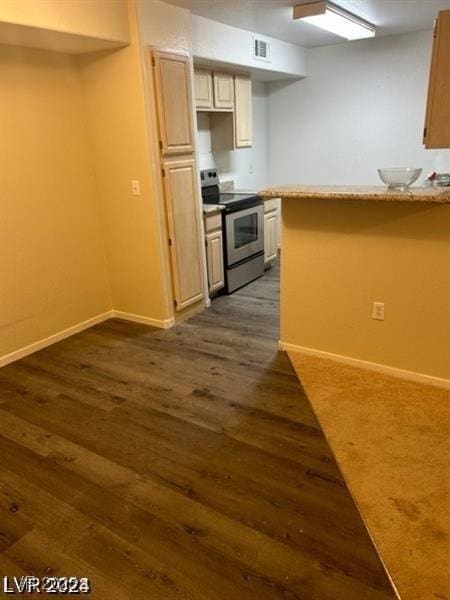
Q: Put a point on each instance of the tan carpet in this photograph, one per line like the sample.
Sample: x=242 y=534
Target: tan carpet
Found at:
x=391 y=439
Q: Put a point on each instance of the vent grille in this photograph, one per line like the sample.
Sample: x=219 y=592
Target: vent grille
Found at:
x=261 y=49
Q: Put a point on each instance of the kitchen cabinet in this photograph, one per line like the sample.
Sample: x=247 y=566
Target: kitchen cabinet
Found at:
x=214 y=252
x=214 y=92
x=437 y=126
x=203 y=86
x=174 y=102
x=214 y=257
x=223 y=90
x=180 y=183
x=243 y=125
x=271 y=229
x=270 y=236
x=228 y=98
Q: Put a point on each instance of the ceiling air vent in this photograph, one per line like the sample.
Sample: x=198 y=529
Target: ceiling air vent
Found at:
x=261 y=49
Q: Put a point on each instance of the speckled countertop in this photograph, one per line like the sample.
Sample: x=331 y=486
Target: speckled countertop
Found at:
x=209 y=209
x=375 y=193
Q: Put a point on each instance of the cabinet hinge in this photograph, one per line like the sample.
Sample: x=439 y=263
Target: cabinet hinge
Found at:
x=153 y=61
x=435 y=28
x=163 y=172
x=425 y=133
x=170 y=241
x=175 y=303
x=160 y=145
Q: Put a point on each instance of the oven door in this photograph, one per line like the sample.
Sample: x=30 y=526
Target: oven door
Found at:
x=244 y=233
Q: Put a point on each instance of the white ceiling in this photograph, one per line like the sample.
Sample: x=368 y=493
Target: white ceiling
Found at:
x=274 y=17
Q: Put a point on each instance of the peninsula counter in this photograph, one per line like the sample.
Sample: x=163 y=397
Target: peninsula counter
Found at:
x=344 y=248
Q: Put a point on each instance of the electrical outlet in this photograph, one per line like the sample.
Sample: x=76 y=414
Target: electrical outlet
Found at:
x=378 y=311
x=135 y=187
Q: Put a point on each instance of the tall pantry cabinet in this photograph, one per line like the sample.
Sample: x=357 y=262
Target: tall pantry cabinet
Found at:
x=173 y=94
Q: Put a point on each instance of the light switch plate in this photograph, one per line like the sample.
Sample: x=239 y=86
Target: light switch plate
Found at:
x=135 y=187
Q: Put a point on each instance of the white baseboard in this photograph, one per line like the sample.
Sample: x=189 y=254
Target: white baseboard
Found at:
x=160 y=323
x=364 y=364
x=57 y=337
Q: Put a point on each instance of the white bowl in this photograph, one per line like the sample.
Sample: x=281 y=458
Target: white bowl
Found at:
x=399 y=179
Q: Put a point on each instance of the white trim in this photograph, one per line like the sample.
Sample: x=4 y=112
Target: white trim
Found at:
x=356 y=362
x=160 y=323
x=62 y=335
x=57 y=337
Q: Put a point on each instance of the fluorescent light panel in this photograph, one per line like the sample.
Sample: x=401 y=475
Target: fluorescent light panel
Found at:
x=338 y=21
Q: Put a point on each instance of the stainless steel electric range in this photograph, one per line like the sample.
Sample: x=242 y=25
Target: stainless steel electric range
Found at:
x=243 y=229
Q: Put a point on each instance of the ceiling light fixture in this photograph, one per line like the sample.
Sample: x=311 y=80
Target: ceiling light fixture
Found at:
x=334 y=19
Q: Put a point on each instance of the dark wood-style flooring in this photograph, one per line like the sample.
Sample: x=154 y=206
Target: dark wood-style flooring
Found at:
x=180 y=464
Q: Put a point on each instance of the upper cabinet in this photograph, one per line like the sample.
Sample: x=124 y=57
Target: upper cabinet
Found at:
x=223 y=91
x=213 y=91
x=243 y=123
x=219 y=92
x=437 y=126
x=203 y=84
x=174 y=102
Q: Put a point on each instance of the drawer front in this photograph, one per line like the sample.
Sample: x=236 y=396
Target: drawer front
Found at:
x=213 y=222
x=271 y=204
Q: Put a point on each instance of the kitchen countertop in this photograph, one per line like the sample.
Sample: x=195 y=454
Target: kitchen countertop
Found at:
x=209 y=209
x=379 y=193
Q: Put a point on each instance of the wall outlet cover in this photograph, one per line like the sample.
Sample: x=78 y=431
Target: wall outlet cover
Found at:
x=378 y=311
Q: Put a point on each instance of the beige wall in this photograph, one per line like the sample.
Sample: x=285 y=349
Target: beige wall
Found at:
x=74 y=132
x=52 y=262
x=115 y=101
x=338 y=257
x=104 y=19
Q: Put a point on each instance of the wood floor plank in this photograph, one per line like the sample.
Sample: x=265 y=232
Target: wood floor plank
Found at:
x=42 y=556
x=180 y=464
x=169 y=504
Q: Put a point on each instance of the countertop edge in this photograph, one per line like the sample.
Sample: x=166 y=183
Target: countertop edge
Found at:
x=438 y=198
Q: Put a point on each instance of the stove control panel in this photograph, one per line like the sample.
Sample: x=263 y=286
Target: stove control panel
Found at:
x=209 y=177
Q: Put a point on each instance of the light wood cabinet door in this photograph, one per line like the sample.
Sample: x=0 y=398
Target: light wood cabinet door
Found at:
x=437 y=126
x=203 y=86
x=270 y=235
x=243 y=122
x=214 y=257
x=174 y=102
x=223 y=91
x=182 y=202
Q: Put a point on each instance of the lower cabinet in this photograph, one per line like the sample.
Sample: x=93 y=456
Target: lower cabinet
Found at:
x=183 y=219
x=270 y=236
x=271 y=229
x=214 y=256
x=214 y=252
